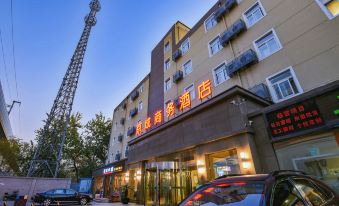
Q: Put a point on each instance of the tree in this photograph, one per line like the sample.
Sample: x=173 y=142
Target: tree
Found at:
x=73 y=148
x=96 y=136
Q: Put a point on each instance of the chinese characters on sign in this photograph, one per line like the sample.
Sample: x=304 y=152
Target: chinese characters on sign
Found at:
x=298 y=117
x=205 y=91
x=112 y=169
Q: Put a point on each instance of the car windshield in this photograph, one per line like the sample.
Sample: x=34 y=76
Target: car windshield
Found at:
x=230 y=194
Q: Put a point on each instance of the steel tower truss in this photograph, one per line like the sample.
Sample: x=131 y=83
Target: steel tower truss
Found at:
x=48 y=154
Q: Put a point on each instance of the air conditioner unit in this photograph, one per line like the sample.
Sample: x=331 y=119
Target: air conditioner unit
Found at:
x=124 y=105
x=120 y=137
x=262 y=91
x=176 y=55
x=134 y=95
x=131 y=131
x=177 y=102
x=178 y=76
x=219 y=13
x=230 y=4
x=232 y=32
x=244 y=60
x=122 y=121
x=117 y=157
x=133 y=112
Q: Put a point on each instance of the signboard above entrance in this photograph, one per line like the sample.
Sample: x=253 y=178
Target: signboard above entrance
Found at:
x=298 y=117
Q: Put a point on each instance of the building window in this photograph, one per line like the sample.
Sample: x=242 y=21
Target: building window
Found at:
x=185 y=46
x=140 y=106
x=210 y=22
x=187 y=67
x=168 y=84
x=267 y=44
x=191 y=90
x=330 y=7
x=284 y=85
x=214 y=46
x=254 y=14
x=220 y=74
x=141 y=88
x=167 y=64
x=167 y=47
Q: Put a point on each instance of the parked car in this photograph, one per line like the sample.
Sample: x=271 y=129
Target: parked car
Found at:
x=10 y=196
x=279 y=188
x=62 y=196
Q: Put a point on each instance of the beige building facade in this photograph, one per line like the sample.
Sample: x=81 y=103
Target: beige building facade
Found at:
x=249 y=83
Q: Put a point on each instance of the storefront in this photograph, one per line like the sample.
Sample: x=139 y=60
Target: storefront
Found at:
x=305 y=133
x=209 y=141
x=109 y=179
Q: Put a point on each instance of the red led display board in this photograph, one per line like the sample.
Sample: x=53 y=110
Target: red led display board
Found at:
x=294 y=118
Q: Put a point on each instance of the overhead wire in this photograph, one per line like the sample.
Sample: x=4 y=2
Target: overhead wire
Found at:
x=5 y=66
x=14 y=66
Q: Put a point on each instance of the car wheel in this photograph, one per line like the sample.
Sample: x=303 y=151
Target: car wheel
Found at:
x=83 y=201
x=47 y=202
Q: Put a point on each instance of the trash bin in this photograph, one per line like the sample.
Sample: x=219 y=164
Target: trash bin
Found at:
x=20 y=201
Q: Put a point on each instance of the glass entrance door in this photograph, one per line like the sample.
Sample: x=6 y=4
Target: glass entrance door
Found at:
x=151 y=186
x=167 y=183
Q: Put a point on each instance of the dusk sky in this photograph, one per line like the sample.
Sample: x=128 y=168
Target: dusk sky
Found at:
x=118 y=54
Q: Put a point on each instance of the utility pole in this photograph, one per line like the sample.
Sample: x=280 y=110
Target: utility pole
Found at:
x=48 y=154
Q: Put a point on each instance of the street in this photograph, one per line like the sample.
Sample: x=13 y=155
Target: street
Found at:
x=11 y=203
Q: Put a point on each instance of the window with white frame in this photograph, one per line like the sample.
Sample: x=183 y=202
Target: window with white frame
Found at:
x=167 y=47
x=267 y=44
x=140 y=106
x=167 y=64
x=191 y=90
x=214 y=46
x=330 y=7
x=210 y=22
x=141 y=88
x=168 y=84
x=185 y=46
x=187 y=67
x=254 y=14
x=220 y=74
x=284 y=85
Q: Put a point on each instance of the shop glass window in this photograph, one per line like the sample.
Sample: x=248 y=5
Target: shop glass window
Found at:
x=168 y=84
x=210 y=22
x=167 y=47
x=185 y=46
x=310 y=192
x=214 y=46
x=187 y=67
x=191 y=90
x=330 y=7
x=319 y=158
x=267 y=45
x=224 y=163
x=284 y=85
x=285 y=194
x=167 y=64
x=254 y=14
x=220 y=74
x=235 y=194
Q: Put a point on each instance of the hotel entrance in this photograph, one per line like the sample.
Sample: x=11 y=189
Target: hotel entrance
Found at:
x=167 y=183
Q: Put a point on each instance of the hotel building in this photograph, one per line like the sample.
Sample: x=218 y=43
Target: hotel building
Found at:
x=252 y=87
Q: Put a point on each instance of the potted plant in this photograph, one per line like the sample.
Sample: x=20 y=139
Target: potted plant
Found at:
x=124 y=195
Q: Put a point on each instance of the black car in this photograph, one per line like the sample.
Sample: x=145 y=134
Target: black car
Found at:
x=62 y=196
x=280 y=188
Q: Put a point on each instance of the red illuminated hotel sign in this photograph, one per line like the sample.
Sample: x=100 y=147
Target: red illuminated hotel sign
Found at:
x=294 y=118
x=171 y=109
